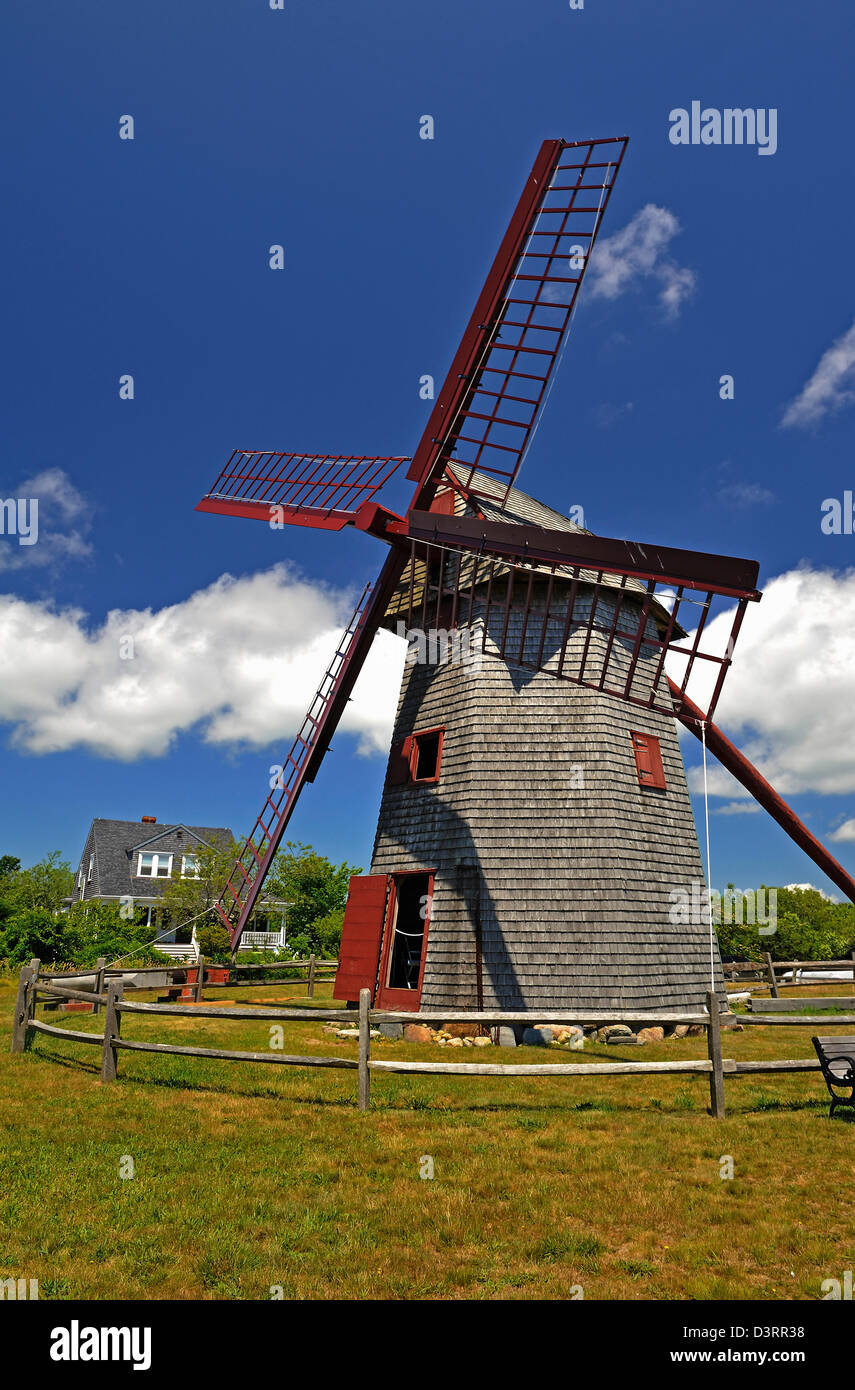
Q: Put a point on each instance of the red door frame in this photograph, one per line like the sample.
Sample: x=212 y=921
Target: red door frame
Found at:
x=405 y=999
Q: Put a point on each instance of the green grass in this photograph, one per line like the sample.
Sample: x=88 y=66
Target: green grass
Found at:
x=248 y=1176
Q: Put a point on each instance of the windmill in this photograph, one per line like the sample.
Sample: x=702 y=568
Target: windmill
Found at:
x=535 y=827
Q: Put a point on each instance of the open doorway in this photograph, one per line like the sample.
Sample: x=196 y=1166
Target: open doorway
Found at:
x=405 y=937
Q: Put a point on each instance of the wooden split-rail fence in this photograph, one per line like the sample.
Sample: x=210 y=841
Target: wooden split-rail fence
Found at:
x=33 y=988
x=769 y=971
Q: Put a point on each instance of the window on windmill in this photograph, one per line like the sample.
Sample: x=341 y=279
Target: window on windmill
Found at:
x=648 y=760
x=91 y=867
x=416 y=759
x=154 y=866
x=426 y=756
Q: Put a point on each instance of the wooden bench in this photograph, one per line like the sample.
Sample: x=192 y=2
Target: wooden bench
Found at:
x=837 y=1059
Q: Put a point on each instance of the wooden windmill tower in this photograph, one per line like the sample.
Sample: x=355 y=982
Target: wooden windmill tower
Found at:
x=535 y=829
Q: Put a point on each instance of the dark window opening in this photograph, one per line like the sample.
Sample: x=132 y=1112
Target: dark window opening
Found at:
x=412 y=908
x=426 y=756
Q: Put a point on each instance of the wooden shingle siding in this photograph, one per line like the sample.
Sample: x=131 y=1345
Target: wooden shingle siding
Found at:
x=538 y=805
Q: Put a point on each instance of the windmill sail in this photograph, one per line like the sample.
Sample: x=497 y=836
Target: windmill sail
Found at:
x=487 y=411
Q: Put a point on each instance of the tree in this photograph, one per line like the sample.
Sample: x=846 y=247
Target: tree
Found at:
x=315 y=890
x=45 y=885
x=808 y=927
x=186 y=898
x=9 y=867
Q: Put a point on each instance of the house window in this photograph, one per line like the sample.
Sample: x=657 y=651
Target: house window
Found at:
x=81 y=881
x=154 y=866
x=91 y=867
x=648 y=760
x=189 y=866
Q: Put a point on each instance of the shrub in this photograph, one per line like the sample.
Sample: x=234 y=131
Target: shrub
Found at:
x=214 y=942
x=37 y=932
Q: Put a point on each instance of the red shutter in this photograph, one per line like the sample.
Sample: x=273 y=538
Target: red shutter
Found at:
x=399 y=763
x=443 y=503
x=648 y=760
x=361 y=935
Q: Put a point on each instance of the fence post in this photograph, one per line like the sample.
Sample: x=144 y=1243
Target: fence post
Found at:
x=112 y=1030
x=21 y=1019
x=364 y=1049
x=99 y=980
x=200 y=978
x=714 y=1051
x=770 y=970
x=310 y=989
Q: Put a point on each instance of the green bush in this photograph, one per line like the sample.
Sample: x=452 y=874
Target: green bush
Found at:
x=809 y=927
x=36 y=932
x=327 y=934
x=214 y=942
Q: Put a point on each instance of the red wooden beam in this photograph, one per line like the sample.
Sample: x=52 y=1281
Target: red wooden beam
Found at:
x=693 y=569
x=763 y=792
x=268 y=511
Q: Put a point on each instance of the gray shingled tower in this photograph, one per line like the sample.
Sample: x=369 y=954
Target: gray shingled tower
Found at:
x=555 y=869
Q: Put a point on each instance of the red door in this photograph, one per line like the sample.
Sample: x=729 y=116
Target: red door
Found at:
x=361 y=936
x=402 y=962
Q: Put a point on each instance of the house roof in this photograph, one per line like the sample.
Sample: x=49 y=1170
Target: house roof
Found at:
x=114 y=844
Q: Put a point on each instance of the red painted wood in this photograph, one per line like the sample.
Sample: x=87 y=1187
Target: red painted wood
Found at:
x=361 y=936
x=399 y=763
x=648 y=760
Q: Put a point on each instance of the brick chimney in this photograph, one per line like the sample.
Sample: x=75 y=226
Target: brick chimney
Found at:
x=149 y=820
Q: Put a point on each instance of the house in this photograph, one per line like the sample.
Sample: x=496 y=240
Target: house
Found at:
x=131 y=862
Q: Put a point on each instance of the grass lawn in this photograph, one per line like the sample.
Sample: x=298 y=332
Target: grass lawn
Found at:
x=251 y=1176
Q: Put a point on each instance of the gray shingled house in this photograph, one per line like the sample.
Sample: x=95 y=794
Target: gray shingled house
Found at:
x=132 y=861
x=534 y=835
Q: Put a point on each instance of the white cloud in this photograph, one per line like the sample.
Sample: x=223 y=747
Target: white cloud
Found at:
x=738 y=808
x=744 y=494
x=831 y=387
x=812 y=888
x=641 y=249
x=238 y=662
x=64 y=522
x=787 y=699
x=845 y=833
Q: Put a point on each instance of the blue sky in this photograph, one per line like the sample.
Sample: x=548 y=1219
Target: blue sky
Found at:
x=301 y=127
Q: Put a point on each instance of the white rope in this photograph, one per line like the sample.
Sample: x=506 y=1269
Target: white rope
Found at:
x=139 y=950
x=709 y=871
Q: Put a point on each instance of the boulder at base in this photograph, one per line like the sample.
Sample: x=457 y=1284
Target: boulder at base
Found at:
x=417 y=1033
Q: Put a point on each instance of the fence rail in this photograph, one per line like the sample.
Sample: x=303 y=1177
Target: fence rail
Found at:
x=767 y=970
x=31 y=987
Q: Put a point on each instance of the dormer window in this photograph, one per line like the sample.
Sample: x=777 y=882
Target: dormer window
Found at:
x=154 y=866
x=190 y=866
